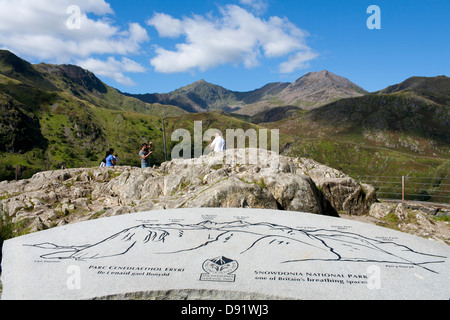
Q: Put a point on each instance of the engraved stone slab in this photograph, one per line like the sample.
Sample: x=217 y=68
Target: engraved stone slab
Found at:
x=247 y=252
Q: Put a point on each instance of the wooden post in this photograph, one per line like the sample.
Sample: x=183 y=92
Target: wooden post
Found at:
x=403 y=188
x=17 y=172
x=164 y=136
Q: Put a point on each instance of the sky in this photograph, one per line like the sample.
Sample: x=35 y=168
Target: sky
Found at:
x=159 y=46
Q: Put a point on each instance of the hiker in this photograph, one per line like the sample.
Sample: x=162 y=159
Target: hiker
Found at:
x=144 y=155
x=103 y=164
x=111 y=160
x=218 y=144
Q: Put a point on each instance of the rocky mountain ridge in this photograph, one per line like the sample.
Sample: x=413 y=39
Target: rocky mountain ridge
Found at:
x=311 y=91
x=319 y=88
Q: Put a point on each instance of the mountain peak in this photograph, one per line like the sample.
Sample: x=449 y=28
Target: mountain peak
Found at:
x=196 y=85
x=321 y=73
x=324 y=75
x=318 y=88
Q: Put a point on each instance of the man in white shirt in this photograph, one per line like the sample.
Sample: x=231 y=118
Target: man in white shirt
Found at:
x=218 y=144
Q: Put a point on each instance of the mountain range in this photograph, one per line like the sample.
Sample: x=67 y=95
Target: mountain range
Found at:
x=62 y=114
x=309 y=92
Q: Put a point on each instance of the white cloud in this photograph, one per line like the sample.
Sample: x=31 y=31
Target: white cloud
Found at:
x=46 y=29
x=166 y=25
x=112 y=68
x=49 y=31
x=298 y=61
x=237 y=37
x=258 y=6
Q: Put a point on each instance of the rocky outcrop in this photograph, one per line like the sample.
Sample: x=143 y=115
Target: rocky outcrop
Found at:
x=347 y=195
x=421 y=219
x=57 y=198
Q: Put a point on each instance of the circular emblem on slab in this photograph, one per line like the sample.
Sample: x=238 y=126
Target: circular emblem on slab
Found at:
x=220 y=265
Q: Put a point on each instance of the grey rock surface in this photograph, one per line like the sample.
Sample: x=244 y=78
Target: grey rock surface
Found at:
x=60 y=197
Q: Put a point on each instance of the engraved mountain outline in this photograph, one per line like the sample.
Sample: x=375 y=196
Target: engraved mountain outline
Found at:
x=246 y=239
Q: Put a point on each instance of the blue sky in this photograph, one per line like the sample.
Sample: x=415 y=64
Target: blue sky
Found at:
x=158 y=46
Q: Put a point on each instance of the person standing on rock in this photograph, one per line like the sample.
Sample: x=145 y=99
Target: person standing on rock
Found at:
x=218 y=144
x=103 y=163
x=144 y=155
x=111 y=160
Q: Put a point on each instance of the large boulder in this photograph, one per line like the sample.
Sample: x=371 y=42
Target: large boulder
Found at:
x=234 y=193
x=347 y=195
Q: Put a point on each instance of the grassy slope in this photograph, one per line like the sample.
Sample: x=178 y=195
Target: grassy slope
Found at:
x=63 y=114
x=70 y=130
x=388 y=136
x=86 y=86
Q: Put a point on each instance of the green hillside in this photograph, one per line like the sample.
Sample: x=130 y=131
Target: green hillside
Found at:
x=53 y=115
x=436 y=89
x=63 y=129
x=380 y=136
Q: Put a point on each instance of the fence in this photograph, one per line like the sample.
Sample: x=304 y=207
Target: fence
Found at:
x=432 y=189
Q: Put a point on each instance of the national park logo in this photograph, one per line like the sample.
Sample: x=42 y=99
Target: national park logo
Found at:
x=219 y=269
